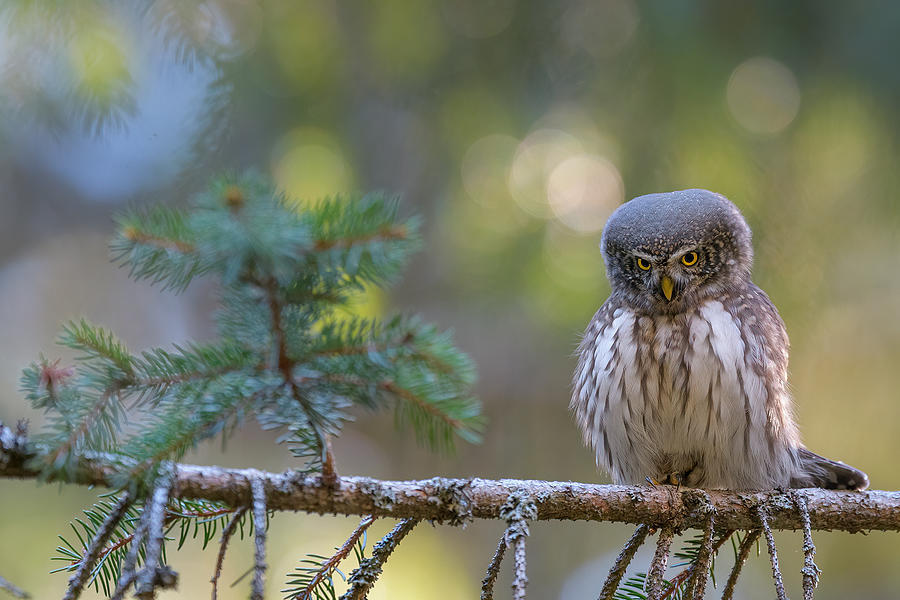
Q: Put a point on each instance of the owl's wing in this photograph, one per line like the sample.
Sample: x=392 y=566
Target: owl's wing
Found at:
x=765 y=347
x=763 y=327
x=593 y=355
x=601 y=321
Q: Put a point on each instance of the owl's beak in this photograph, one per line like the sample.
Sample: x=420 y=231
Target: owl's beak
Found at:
x=667 y=286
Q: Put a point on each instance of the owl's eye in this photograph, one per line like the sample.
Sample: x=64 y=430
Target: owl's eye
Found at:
x=643 y=265
x=689 y=259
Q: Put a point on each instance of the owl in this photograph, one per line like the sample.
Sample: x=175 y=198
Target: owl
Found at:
x=682 y=373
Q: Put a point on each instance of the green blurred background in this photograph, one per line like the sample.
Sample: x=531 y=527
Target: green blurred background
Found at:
x=515 y=128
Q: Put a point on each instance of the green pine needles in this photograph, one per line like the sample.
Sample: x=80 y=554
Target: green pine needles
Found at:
x=289 y=355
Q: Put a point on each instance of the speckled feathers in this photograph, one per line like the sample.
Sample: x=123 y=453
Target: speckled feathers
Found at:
x=682 y=373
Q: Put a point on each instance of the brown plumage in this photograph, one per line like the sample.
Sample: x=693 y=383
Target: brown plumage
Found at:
x=682 y=373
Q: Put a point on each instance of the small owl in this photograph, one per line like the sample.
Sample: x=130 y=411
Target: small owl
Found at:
x=682 y=373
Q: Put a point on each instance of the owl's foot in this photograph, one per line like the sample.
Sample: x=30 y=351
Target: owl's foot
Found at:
x=674 y=479
x=670 y=479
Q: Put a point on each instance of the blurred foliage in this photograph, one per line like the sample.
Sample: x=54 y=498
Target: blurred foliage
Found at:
x=515 y=127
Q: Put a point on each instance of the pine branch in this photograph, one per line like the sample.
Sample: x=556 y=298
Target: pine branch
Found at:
x=493 y=570
x=154 y=574
x=308 y=579
x=760 y=513
x=127 y=571
x=700 y=566
x=517 y=511
x=617 y=571
x=654 y=583
x=223 y=547
x=280 y=356
x=740 y=558
x=13 y=589
x=363 y=578
x=259 y=511
x=78 y=579
x=482 y=498
x=810 y=570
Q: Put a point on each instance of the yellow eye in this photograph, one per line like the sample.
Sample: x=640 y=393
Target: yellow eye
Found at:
x=643 y=265
x=689 y=259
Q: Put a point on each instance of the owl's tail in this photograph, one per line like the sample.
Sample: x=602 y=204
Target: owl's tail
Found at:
x=818 y=471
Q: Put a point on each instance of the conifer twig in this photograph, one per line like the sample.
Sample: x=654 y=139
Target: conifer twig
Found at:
x=617 y=571
x=153 y=574
x=127 y=571
x=520 y=580
x=742 y=554
x=517 y=511
x=689 y=571
x=696 y=586
x=493 y=570
x=773 y=552
x=810 y=570
x=259 y=530
x=223 y=547
x=78 y=579
x=363 y=577
x=329 y=566
x=13 y=589
x=654 y=585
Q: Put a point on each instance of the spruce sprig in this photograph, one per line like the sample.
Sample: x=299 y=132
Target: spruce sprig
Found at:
x=185 y=519
x=287 y=355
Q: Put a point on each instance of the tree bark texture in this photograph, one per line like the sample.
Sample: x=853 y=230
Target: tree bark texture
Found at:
x=460 y=500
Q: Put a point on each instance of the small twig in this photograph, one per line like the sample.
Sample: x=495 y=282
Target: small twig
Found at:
x=223 y=547
x=329 y=469
x=127 y=570
x=773 y=553
x=518 y=509
x=743 y=553
x=78 y=579
x=621 y=565
x=259 y=531
x=520 y=580
x=328 y=567
x=154 y=575
x=363 y=577
x=696 y=586
x=810 y=570
x=689 y=570
x=493 y=570
x=654 y=583
x=13 y=589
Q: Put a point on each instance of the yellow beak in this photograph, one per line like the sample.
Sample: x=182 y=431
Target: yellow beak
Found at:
x=667 y=286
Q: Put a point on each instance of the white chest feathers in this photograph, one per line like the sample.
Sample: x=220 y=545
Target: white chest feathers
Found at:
x=682 y=395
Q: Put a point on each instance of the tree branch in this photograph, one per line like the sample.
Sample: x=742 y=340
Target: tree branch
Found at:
x=459 y=500
x=363 y=577
x=618 y=569
x=13 y=589
x=259 y=512
x=742 y=553
x=654 y=582
x=92 y=553
x=493 y=570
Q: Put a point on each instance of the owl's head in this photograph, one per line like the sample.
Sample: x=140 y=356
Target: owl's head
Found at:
x=666 y=253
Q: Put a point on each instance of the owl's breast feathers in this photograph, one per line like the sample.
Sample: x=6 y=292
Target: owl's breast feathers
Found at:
x=702 y=394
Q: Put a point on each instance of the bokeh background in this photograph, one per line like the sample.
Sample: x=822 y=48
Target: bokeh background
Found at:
x=515 y=128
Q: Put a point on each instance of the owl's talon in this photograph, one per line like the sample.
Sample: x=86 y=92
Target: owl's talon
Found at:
x=652 y=481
